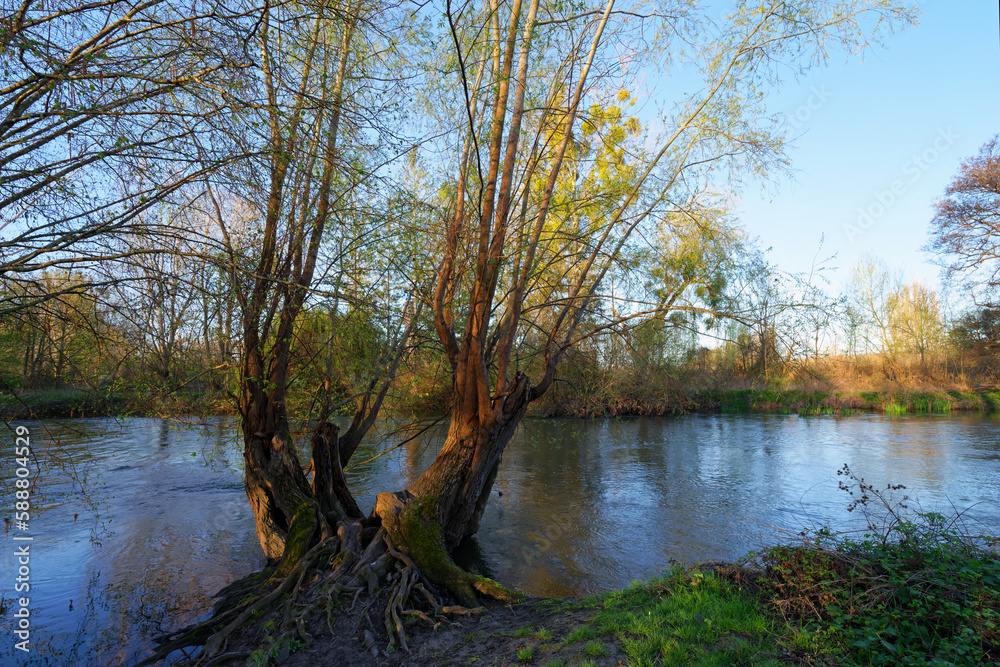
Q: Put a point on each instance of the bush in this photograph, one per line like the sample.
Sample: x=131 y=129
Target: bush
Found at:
x=916 y=589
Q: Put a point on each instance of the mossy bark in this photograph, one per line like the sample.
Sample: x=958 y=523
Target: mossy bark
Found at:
x=412 y=524
x=445 y=505
x=292 y=515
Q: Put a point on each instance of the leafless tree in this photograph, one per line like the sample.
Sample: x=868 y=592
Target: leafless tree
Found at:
x=965 y=230
x=98 y=105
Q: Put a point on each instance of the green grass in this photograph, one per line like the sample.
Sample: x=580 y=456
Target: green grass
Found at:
x=579 y=635
x=893 y=408
x=992 y=400
x=683 y=618
x=899 y=402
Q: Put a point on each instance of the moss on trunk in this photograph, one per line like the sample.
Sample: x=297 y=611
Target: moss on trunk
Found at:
x=300 y=538
x=414 y=527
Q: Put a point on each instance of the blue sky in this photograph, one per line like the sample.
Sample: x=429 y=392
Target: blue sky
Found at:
x=882 y=136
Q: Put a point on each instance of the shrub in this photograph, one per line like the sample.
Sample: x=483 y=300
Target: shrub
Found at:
x=916 y=589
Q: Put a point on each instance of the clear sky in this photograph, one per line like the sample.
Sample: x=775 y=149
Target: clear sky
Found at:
x=878 y=141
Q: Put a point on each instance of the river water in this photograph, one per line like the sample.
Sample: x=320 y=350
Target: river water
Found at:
x=135 y=524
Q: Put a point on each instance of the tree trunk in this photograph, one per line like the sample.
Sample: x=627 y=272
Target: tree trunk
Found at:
x=292 y=515
x=446 y=504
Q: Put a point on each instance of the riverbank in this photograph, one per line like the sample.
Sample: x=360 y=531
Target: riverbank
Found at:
x=914 y=588
x=686 y=617
x=784 y=401
x=80 y=403
x=892 y=402
x=75 y=403
x=808 y=605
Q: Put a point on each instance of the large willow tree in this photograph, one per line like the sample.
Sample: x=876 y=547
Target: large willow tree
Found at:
x=530 y=243
x=552 y=191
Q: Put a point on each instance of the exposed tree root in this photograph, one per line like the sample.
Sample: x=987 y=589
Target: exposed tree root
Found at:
x=239 y=657
x=409 y=581
x=231 y=616
x=331 y=575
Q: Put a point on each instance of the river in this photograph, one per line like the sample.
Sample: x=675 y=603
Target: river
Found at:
x=136 y=523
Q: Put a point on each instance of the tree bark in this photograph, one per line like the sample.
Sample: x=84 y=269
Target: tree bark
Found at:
x=445 y=505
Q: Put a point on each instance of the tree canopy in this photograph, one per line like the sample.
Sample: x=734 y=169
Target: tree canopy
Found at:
x=965 y=230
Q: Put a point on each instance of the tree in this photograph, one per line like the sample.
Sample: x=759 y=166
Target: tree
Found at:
x=979 y=331
x=965 y=230
x=302 y=105
x=917 y=319
x=98 y=116
x=872 y=293
x=523 y=73
x=304 y=116
x=156 y=298
x=755 y=311
x=58 y=342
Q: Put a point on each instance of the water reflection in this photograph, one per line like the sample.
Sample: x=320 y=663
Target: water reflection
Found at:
x=592 y=505
x=138 y=523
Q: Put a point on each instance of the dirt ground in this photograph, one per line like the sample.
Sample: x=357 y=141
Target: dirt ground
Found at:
x=536 y=632
x=527 y=633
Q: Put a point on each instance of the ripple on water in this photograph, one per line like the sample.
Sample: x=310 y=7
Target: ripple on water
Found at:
x=587 y=506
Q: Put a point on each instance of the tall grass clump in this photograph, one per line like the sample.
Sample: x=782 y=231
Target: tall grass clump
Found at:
x=916 y=588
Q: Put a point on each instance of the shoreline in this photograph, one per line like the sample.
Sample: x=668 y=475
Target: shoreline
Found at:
x=783 y=606
x=77 y=403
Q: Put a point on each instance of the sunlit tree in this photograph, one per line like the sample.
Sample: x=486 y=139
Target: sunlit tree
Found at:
x=965 y=231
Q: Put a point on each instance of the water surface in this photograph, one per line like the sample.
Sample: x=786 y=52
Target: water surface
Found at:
x=137 y=523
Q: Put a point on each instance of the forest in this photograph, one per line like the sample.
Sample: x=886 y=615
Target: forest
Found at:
x=313 y=214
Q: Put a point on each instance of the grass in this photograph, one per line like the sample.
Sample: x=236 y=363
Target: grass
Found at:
x=682 y=618
x=579 y=635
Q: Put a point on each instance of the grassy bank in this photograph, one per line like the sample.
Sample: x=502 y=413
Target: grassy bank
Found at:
x=800 y=401
x=918 y=593
x=76 y=403
x=809 y=604
x=60 y=403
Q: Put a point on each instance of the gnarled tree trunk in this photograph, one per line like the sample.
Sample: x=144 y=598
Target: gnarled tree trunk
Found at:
x=292 y=515
x=446 y=503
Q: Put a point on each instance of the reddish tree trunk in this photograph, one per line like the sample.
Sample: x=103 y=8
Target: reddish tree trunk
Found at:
x=446 y=504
